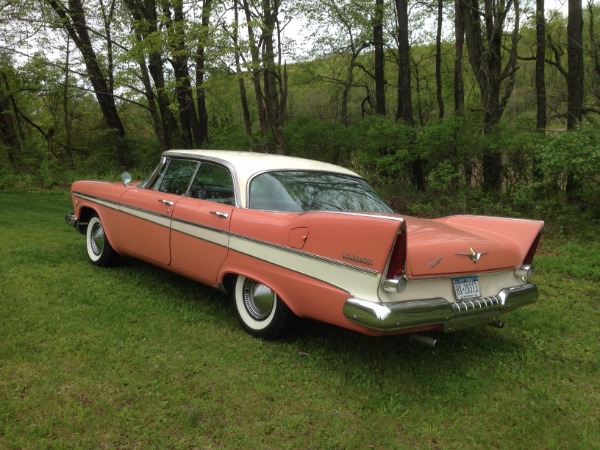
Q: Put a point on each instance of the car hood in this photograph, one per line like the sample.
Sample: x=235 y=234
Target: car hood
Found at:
x=436 y=248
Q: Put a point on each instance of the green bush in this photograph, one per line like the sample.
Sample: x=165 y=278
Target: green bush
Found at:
x=313 y=138
x=574 y=154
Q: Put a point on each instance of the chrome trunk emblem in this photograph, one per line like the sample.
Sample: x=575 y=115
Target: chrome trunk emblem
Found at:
x=435 y=262
x=473 y=255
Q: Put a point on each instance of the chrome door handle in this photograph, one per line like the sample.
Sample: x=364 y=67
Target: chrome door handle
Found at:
x=220 y=214
x=166 y=202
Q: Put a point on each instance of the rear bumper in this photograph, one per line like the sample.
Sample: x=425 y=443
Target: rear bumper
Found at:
x=452 y=316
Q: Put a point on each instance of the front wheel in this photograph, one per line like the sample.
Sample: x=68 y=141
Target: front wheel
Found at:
x=99 y=251
x=258 y=308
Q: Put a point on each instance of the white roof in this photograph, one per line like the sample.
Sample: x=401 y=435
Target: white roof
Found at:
x=248 y=164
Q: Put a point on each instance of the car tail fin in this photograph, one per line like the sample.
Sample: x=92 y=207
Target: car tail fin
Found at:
x=397 y=263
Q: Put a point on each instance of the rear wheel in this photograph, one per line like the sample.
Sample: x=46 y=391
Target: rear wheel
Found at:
x=99 y=250
x=259 y=309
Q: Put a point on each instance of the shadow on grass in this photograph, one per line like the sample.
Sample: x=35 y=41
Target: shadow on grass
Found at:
x=322 y=343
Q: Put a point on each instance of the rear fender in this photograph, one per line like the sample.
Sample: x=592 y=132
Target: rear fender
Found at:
x=314 y=261
x=306 y=297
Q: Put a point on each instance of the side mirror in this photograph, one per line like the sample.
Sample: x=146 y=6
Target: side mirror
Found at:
x=126 y=177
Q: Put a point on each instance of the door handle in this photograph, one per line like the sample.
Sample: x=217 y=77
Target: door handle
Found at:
x=166 y=202
x=220 y=214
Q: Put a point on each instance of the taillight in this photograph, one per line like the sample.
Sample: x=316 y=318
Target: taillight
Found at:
x=529 y=257
x=397 y=264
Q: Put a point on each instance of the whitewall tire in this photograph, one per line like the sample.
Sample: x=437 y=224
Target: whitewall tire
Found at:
x=259 y=309
x=99 y=251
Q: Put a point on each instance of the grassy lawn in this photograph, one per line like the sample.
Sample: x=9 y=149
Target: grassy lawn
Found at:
x=134 y=356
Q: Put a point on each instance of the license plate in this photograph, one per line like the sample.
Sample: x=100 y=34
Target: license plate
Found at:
x=466 y=287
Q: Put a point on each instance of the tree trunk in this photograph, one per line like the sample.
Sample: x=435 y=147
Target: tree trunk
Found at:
x=404 y=110
x=540 y=80
x=575 y=62
x=438 y=60
x=67 y=122
x=200 y=70
x=274 y=114
x=240 y=76
x=256 y=71
x=574 y=84
x=459 y=36
x=595 y=47
x=9 y=135
x=540 y=65
x=379 y=59
x=190 y=126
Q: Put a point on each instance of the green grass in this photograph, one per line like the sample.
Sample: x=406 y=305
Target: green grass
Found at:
x=134 y=356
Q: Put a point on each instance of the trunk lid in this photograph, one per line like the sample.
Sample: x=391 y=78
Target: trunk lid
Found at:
x=437 y=249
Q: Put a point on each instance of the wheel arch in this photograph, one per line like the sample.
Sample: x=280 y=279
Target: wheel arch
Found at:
x=228 y=280
x=305 y=296
x=85 y=214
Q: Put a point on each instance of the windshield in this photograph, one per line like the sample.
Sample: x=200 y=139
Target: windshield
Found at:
x=313 y=191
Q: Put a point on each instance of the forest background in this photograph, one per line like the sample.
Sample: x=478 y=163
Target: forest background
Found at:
x=445 y=106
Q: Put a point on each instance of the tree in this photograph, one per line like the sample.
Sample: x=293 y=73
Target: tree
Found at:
x=575 y=63
x=269 y=72
x=239 y=73
x=438 y=58
x=485 y=45
x=540 y=65
x=11 y=132
x=256 y=68
x=193 y=134
x=378 y=43
x=202 y=40
x=344 y=30
x=146 y=25
x=574 y=83
x=459 y=36
x=592 y=11
x=73 y=19
x=404 y=110
x=275 y=81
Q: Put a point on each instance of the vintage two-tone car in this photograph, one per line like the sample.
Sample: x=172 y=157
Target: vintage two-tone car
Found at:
x=288 y=236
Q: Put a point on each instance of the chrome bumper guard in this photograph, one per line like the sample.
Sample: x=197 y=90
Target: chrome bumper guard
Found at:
x=71 y=219
x=452 y=316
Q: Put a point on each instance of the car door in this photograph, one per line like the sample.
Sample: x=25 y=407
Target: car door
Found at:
x=145 y=213
x=200 y=223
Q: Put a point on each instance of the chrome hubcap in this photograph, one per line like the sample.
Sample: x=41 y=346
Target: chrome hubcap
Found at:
x=97 y=239
x=258 y=299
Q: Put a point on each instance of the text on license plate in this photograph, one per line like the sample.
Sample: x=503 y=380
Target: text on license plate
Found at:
x=466 y=287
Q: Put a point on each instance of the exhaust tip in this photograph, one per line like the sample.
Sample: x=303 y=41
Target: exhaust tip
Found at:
x=425 y=340
x=497 y=324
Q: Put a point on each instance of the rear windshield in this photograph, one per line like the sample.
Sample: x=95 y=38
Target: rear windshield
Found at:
x=313 y=191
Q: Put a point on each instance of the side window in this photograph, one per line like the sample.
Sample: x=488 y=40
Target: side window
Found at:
x=175 y=177
x=213 y=182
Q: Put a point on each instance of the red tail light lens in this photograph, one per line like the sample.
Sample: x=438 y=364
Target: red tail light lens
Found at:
x=529 y=257
x=397 y=263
